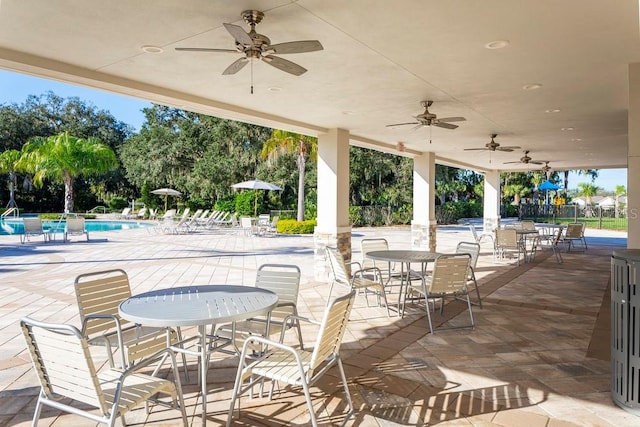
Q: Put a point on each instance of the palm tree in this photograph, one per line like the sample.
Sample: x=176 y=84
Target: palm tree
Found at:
x=303 y=146
x=63 y=158
x=620 y=190
x=9 y=164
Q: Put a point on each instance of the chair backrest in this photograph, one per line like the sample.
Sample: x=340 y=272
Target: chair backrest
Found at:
x=557 y=237
x=245 y=222
x=61 y=358
x=32 y=225
x=450 y=273
x=506 y=237
x=274 y=222
x=370 y=245
x=470 y=248
x=338 y=266
x=185 y=213
x=474 y=233
x=264 y=219
x=142 y=212
x=152 y=213
x=75 y=225
x=332 y=328
x=126 y=212
x=284 y=280
x=574 y=230
x=101 y=293
x=528 y=225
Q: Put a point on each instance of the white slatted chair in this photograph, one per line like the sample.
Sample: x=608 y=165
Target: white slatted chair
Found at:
x=284 y=281
x=64 y=367
x=574 y=237
x=448 y=278
x=507 y=241
x=367 y=280
x=473 y=249
x=298 y=367
x=33 y=227
x=99 y=294
x=75 y=227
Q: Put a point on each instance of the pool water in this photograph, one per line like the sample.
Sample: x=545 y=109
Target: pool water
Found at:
x=14 y=226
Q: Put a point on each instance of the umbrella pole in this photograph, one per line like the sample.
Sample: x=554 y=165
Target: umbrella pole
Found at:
x=255 y=204
x=165 y=202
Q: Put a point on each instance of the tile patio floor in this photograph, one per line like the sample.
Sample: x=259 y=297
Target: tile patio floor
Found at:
x=539 y=355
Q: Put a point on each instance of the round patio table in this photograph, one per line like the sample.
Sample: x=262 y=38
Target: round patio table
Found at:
x=197 y=306
x=405 y=257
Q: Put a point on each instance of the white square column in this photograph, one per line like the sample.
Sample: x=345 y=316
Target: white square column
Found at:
x=633 y=159
x=423 y=225
x=333 y=227
x=491 y=201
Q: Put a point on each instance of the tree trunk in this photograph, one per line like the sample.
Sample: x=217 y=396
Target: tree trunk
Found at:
x=301 y=170
x=12 y=190
x=566 y=183
x=68 y=193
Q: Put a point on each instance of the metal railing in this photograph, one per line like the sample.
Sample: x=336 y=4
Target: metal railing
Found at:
x=11 y=211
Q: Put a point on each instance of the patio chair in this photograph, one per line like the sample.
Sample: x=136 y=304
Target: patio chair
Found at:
x=75 y=227
x=247 y=225
x=298 y=367
x=33 y=227
x=507 y=241
x=65 y=369
x=99 y=294
x=142 y=213
x=284 y=280
x=472 y=249
x=271 y=229
x=366 y=280
x=152 y=213
x=125 y=214
x=554 y=244
x=448 y=278
x=573 y=235
x=478 y=239
x=387 y=268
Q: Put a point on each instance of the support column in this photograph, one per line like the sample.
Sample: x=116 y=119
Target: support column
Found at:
x=633 y=159
x=491 y=201
x=423 y=225
x=333 y=227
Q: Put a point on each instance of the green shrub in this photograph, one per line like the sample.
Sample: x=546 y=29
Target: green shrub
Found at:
x=118 y=203
x=56 y=216
x=291 y=226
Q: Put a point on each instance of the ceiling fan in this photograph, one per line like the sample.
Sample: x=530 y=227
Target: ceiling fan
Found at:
x=546 y=168
x=258 y=46
x=494 y=146
x=528 y=160
x=429 y=119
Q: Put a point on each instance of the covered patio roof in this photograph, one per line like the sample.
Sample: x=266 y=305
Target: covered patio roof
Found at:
x=550 y=77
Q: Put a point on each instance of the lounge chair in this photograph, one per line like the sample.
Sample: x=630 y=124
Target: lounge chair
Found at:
x=75 y=227
x=142 y=213
x=125 y=214
x=33 y=227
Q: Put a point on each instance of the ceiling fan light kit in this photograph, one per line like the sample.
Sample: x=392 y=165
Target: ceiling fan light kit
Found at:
x=255 y=46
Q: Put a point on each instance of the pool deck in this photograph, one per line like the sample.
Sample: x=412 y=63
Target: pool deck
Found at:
x=539 y=355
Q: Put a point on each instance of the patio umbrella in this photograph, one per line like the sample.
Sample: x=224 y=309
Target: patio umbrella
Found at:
x=256 y=184
x=166 y=192
x=548 y=185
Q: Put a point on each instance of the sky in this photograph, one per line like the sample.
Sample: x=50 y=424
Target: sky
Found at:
x=14 y=88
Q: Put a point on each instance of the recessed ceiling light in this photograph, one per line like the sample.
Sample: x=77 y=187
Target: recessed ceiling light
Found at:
x=567 y=128
x=497 y=44
x=532 y=86
x=553 y=110
x=274 y=89
x=348 y=113
x=152 y=49
x=576 y=139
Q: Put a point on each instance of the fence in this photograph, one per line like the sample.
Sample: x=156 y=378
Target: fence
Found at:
x=598 y=217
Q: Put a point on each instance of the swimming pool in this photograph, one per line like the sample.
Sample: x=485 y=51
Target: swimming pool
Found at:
x=14 y=226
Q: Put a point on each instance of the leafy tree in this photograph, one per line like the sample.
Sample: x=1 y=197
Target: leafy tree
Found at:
x=620 y=190
x=64 y=158
x=9 y=164
x=302 y=146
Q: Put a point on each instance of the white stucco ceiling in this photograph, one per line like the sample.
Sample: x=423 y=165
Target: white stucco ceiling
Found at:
x=380 y=59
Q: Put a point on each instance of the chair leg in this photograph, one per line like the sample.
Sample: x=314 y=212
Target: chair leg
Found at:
x=473 y=324
x=346 y=392
x=475 y=283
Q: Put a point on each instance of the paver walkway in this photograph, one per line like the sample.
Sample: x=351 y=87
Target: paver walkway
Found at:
x=538 y=357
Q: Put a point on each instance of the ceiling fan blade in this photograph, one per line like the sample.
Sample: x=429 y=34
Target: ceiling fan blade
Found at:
x=444 y=125
x=235 y=66
x=505 y=149
x=452 y=119
x=205 y=49
x=514 y=162
x=536 y=162
x=403 y=124
x=239 y=34
x=284 y=65
x=476 y=149
x=300 y=46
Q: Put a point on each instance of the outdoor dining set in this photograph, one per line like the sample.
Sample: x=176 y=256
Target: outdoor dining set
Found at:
x=144 y=333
